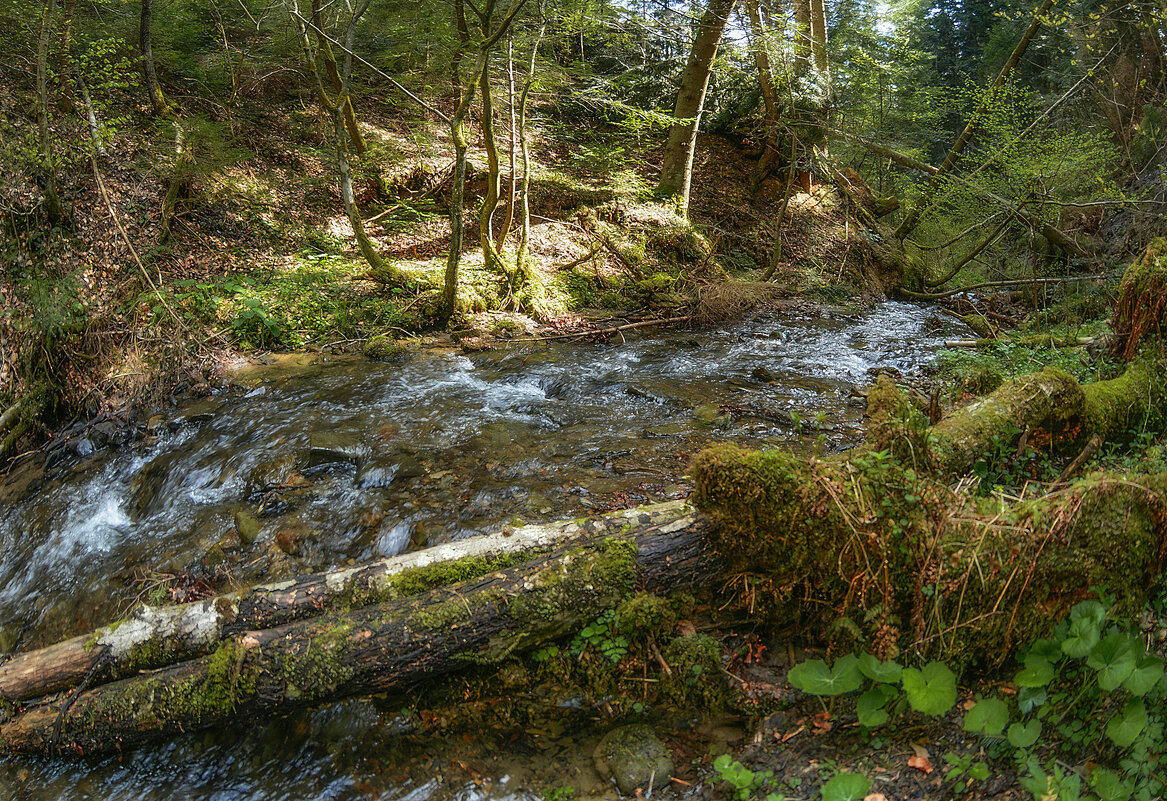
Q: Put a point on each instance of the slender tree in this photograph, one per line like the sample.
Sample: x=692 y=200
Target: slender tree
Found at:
x=158 y=100
x=912 y=219
x=48 y=176
x=676 y=175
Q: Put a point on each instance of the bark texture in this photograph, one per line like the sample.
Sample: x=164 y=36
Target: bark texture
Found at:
x=677 y=168
x=383 y=648
x=153 y=637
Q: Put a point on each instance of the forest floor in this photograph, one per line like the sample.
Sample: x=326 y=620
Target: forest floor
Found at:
x=261 y=259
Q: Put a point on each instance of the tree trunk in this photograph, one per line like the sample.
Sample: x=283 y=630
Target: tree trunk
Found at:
x=146 y=45
x=677 y=167
x=491 y=255
x=921 y=205
x=1052 y=401
x=154 y=637
x=339 y=84
x=802 y=37
x=389 y=647
x=500 y=238
x=48 y=162
x=769 y=94
x=65 y=101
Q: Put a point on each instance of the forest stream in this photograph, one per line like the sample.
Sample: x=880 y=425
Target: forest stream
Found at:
x=319 y=460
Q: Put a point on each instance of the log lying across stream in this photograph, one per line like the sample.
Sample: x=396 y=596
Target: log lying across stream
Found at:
x=153 y=637
x=382 y=647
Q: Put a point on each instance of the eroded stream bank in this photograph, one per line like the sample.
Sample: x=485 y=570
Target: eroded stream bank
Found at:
x=335 y=459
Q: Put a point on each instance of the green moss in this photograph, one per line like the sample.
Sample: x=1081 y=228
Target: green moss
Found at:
x=416 y=580
x=646 y=614
x=1051 y=399
x=872 y=553
x=421 y=579
x=383 y=347
x=697 y=677
x=574 y=588
x=146 y=655
x=315 y=672
x=1122 y=403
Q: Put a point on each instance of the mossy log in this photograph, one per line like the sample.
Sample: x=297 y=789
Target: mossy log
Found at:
x=154 y=637
x=866 y=551
x=384 y=648
x=1051 y=400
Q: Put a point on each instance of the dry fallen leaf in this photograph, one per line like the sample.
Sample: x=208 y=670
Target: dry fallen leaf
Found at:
x=875 y=797
x=920 y=764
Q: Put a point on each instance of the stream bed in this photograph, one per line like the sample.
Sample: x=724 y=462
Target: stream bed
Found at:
x=317 y=460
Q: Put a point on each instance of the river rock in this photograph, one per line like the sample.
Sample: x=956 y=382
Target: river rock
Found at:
x=246 y=526
x=274 y=472
x=331 y=447
x=633 y=757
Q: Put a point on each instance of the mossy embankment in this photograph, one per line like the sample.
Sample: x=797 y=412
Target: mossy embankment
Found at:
x=876 y=548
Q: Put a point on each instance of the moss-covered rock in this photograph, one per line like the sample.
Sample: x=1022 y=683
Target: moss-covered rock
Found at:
x=635 y=758
x=384 y=347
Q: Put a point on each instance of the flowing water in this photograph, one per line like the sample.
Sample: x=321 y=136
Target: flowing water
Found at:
x=320 y=460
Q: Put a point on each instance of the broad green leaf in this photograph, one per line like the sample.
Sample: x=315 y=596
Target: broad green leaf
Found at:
x=1114 y=659
x=1082 y=637
x=1148 y=670
x=1125 y=727
x=816 y=678
x=870 y=708
x=846 y=787
x=989 y=716
x=1023 y=735
x=931 y=690
x=1038 y=671
x=978 y=771
x=883 y=672
x=1030 y=698
x=1110 y=786
x=1093 y=611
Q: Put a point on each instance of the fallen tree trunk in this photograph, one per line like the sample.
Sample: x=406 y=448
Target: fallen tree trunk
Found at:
x=387 y=647
x=1053 y=401
x=153 y=637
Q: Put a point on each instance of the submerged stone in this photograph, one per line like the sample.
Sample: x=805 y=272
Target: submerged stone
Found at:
x=634 y=758
x=246 y=526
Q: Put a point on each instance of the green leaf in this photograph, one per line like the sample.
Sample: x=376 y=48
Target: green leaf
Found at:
x=989 y=716
x=883 y=672
x=1147 y=673
x=1110 y=786
x=1125 y=727
x=1023 y=735
x=1081 y=638
x=816 y=678
x=978 y=771
x=931 y=690
x=846 y=787
x=870 y=708
x=1038 y=672
x=1114 y=659
x=1030 y=698
x=1089 y=610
